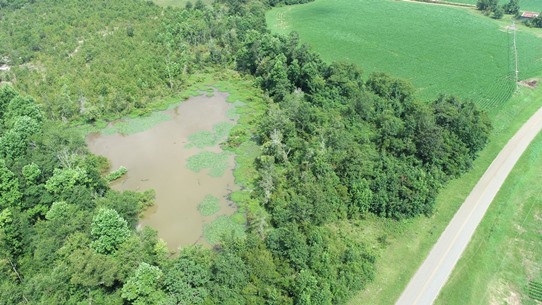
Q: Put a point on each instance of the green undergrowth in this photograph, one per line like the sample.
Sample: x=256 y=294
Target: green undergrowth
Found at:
x=249 y=106
x=231 y=113
x=504 y=254
x=403 y=245
x=178 y=3
x=224 y=226
x=209 y=206
x=148 y=117
x=244 y=158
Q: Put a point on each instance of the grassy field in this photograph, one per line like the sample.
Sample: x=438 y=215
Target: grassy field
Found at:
x=506 y=250
x=525 y=5
x=398 y=260
x=440 y=49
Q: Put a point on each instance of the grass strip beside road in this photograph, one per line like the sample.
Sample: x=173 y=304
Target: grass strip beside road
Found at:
x=504 y=253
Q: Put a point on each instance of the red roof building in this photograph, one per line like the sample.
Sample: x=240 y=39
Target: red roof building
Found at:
x=530 y=15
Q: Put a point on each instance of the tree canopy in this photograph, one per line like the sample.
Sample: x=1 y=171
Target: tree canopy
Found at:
x=334 y=145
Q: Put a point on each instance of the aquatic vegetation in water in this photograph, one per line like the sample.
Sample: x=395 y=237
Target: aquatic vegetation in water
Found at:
x=114 y=175
x=217 y=163
x=207 y=138
x=209 y=205
x=135 y=125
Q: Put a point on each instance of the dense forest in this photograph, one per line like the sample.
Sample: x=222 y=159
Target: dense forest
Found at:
x=335 y=145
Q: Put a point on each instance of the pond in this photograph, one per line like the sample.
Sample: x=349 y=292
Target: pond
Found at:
x=159 y=158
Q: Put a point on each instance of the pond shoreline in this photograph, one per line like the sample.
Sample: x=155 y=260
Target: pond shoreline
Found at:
x=161 y=157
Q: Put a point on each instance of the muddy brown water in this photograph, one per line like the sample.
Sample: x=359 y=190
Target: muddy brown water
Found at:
x=156 y=159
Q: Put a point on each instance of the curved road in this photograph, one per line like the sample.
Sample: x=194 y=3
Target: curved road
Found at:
x=425 y=286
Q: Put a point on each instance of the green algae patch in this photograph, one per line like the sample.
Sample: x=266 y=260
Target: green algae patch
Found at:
x=209 y=206
x=217 y=163
x=207 y=138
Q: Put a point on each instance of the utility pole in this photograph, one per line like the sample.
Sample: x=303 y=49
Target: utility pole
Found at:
x=515 y=53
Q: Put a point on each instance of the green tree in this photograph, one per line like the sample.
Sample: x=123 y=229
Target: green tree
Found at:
x=31 y=172
x=144 y=246
x=230 y=275
x=15 y=141
x=512 y=7
x=537 y=22
x=59 y=210
x=498 y=12
x=128 y=204
x=66 y=179
x=90 y=269
x=186 y=281
x=7 y=93
x=486 y=5
x=470 y=125
x=14 y=230
x=388 y=87
x=277 y=79
x=10 y=195
x=108 y=231
x=143 y=288
x=199 y=5
x=84 y=266
x=289 y=243
x=361 y=196
x=20 y=106
x=308 y=292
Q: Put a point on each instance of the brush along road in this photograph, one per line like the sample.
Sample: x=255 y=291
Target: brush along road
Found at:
x=425 y=286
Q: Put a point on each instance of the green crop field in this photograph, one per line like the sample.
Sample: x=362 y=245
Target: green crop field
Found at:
x=525 y=5
x=441 y=49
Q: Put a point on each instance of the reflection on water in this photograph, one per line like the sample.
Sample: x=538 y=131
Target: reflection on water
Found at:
x=156 y=158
